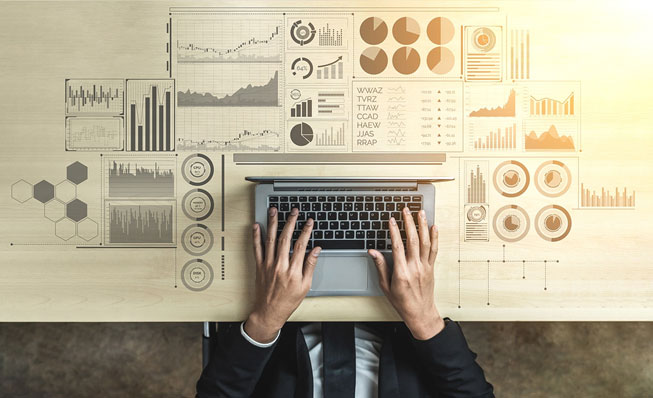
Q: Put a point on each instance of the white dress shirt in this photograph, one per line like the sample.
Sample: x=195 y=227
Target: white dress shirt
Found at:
x=368 y=351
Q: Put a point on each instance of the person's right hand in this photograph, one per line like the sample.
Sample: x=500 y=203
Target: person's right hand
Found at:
x=411 y=286
x=282 y=281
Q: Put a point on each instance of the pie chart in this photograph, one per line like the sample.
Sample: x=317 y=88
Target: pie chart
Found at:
x=511 y=178
x=301 y=134
x=373 y=30
x=553 y=178
x=406 y=60
x=440 y=60
x=406 y=30
x=374 y=60
x=553 y=223
x=511 y=223
x=440 y=30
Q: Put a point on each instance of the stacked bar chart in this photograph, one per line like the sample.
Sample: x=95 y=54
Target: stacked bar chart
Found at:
x=150 y=115
x=551 y=107
x=502 y=139
x=606 y=198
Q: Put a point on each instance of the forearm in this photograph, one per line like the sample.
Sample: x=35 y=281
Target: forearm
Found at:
x=235 y=365
x=451 y=365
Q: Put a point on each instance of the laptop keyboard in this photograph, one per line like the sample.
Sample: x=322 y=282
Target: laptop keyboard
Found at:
x=347 y=222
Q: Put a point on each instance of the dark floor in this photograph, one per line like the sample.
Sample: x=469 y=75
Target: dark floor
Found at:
x=163 y=360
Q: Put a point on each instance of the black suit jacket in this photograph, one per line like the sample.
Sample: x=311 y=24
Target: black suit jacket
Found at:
x=443 y=366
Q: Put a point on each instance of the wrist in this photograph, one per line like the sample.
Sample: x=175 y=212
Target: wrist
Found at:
x=260 y=329
x=426 y=328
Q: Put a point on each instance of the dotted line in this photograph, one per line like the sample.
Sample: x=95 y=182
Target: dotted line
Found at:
x=222 y=266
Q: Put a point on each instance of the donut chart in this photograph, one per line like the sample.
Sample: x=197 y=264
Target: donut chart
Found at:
x=511 y=223
x=197 y=169
x=197 y=204
x=511 y=178
x=197 y=275
x=553 y=223
x=553 y=178
x=197 y=239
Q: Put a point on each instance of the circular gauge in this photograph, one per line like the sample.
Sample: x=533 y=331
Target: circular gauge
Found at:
x=552 y=178
x=440 y=60
x=197 y=239
x=197 y=169
x=511 y=223
x=511 y=178
x=484 y=39
x=197 y=204
x=476 y=213
x=553 y=223
x=302 y=66
x=373 y=30
x=406 y=30
x=295 y=94
x=301 y=134
x=302 y=33
x=406 y=60
x=373 y=60
x=440 y=30
x=197 y=275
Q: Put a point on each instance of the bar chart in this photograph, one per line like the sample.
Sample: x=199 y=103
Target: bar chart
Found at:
x=606 y=198
x=501 y=139
x=552 y=107
x=332 y=70
x=476 y=185
x=302 y=108
x=95 y=96
x=331 y=137
x=150 y=115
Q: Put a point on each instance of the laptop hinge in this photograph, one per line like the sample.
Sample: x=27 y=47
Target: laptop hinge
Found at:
x=343 y=185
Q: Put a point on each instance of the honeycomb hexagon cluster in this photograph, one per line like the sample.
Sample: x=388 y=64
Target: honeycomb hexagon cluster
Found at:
x=60 y=203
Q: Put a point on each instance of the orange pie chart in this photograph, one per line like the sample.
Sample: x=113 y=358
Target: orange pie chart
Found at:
x=440 y=60
x=373 y=30
x=406 y=60
x=406 y=30
x=374 y=60
x=440 y=30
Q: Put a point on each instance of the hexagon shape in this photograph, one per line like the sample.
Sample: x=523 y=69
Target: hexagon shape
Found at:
x=64 y=228
x=76 y=210
x=43 y=191
x=65 y=191
x=22 y=191
x=76 y=173
x=54 y=210
x=87 y=229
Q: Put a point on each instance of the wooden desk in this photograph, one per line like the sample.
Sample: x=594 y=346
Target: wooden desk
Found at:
x=56 y=265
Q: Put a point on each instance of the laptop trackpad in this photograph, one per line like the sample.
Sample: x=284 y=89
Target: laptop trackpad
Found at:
x=340 y=273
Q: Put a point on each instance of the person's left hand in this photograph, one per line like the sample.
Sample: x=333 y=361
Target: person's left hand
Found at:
x=282 y=281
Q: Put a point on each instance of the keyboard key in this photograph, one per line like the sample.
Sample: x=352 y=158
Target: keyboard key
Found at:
x=274 y=204
x=323 y=225
x=380 y=244
x=353 y=215
x=332 y=215
x=337 y=207
x=360 y=198
x=400 y=206
x=389 y=207
x=311 y=215
x=284 y=207
x=273 y=198
x=358 y=206
x=318 y=234
x=347 y=206
x=283 y=199
x=414 y=206
x=293 y=198
x=374 y=216
x=305 y=206
x=378 y=198
x=339 y=244
x=396 y=198
x=349 y=234
x=294 y=205
x=331 y=198
x=365 y=225
x=387 y=198
x=350 y=198
x=342 y=215
x=303 y=198
x=417 y=198
x=369 y=206
x=363 y=216
x=380 y=234
x=344 y=225
x=328 y=234
x=379 y=206
x=340 y=234
x=341 y=198
x=406 y=198
x=370 y=244
x=355 y=225
x=321 y=216
x=312 y=198
x=369 y=199
x=333 y=225
x=326 y=206
x=396 y=215
x=376 y=224
x=360 y=234
x=385 y=216
x=370 y=235
x=296 y=234
x=321 y=198
x=316 y=206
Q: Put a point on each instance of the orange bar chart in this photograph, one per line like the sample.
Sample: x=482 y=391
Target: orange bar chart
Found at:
x=607 y=198
x=498 y=140
x=551 y=107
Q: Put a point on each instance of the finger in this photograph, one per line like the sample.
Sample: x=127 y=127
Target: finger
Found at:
x=271 y=238
x=398 y=255
x=258 y=246
x=424 y=238
x=309 y=266
x=285 y=239
x=382 y=268
x=300 y=246
x=433 y=252
x=412 y=240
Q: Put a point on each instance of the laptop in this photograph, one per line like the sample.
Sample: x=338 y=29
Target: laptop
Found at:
x=351 y=215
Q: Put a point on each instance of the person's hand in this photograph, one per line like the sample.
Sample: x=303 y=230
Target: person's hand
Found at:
x=282 y=281
x=410 y=288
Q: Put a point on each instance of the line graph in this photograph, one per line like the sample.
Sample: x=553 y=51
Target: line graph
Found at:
x=229 y=40
x=94 y=133
x=505 y=110
x=105 y=96
x=251 y=95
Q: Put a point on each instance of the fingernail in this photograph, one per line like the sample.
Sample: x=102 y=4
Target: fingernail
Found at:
x=393 y=221
x=317 y=251
x=294 y=211
x=255 y=227
x=309 y=221
x=372 y=254
x=272 y=211
x=406 y=210
x=422 y=213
